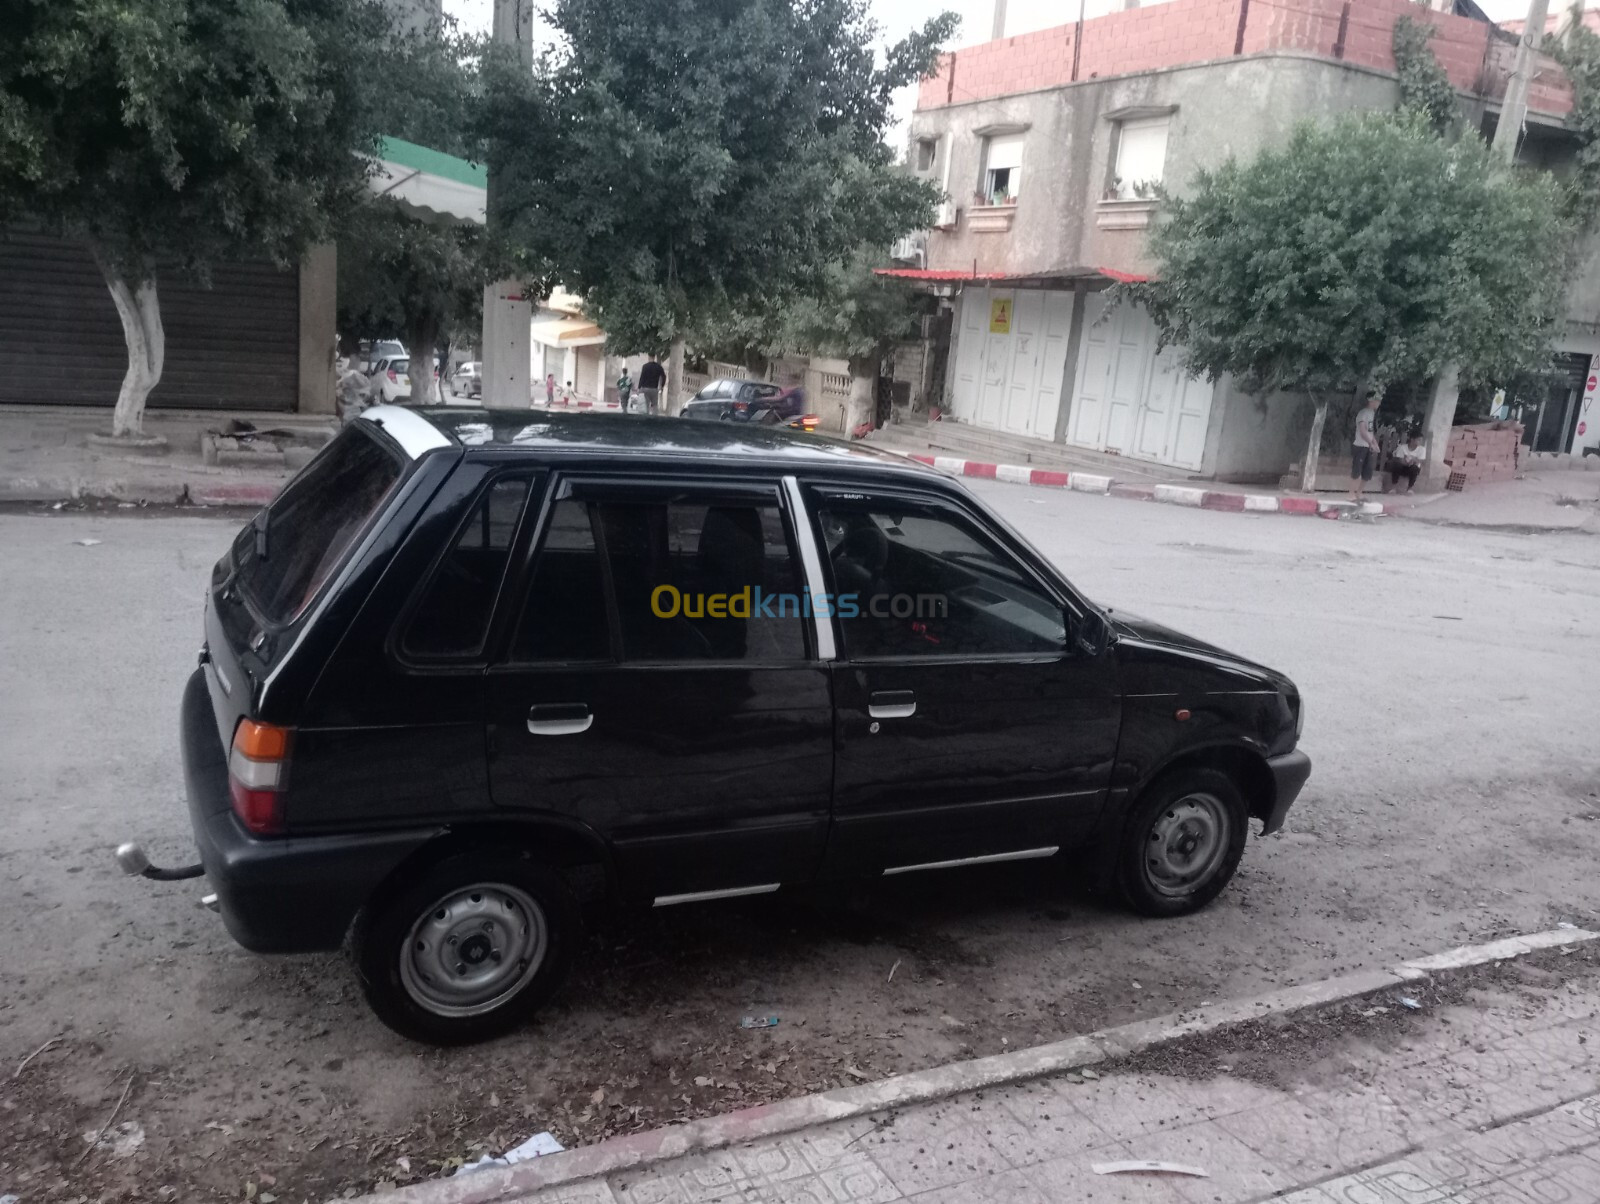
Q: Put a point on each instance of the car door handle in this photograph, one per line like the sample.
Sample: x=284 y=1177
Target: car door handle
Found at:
x=892 y=704
x=559 y=719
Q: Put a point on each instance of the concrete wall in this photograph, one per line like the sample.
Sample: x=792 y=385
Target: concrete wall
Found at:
x=1229 y=108
x=1254 y=438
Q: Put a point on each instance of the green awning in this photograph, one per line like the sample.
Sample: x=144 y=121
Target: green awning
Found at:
x=430 y=183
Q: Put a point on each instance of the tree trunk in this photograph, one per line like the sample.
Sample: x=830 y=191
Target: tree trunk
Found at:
x=862 y=405
x=422 y=341
x=673 y=402
x=1308 y=473
x=139 y=307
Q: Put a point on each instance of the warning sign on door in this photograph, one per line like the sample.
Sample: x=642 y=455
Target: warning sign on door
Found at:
x=1000 y=316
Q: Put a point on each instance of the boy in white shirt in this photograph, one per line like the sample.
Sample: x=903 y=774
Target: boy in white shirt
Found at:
x=1407 y=462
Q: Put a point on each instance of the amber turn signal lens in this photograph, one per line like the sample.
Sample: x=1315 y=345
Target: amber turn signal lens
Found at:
x=261 y=741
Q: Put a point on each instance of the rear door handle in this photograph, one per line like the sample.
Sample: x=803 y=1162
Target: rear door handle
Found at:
x=559 y=718
x=892 y=704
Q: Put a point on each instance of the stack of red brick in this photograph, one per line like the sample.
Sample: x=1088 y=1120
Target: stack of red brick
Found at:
x=1488 y=451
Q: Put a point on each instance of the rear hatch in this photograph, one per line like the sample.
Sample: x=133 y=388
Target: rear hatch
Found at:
x=286 y=563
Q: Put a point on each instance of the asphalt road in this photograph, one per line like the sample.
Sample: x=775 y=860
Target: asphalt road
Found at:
x=1452 y=715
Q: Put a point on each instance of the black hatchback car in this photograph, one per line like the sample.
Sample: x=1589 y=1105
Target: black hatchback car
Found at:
x=474 y=671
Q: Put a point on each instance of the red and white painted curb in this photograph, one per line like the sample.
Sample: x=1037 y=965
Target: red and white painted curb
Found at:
x=1177 y=495
x=577 y=404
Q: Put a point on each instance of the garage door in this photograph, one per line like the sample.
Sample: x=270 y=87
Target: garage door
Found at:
x=235 y=345
x=1011 y=355
x=1129 y=399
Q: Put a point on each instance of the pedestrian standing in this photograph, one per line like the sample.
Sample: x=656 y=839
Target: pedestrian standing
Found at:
x=651 y=379
x=549 y=388
x=624 y=388
x=1364 y=449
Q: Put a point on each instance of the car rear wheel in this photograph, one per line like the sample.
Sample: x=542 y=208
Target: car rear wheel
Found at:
x=1184 y=841
x=468 y=949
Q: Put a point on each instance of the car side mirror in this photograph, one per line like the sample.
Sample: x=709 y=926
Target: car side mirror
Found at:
x=1094 y=633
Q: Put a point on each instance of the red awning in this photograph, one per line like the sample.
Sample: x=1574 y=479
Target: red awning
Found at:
x=935 y=274
x=946 y=276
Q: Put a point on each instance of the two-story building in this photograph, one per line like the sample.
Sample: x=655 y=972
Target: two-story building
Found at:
x=1048 y=144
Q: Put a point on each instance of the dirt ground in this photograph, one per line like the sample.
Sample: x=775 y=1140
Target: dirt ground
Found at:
x=1456 y=796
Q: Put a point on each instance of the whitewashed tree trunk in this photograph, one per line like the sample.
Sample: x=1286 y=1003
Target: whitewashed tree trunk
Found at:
x=863 y=399
x=139 y=307
x=1308 y=474
x=673 y=402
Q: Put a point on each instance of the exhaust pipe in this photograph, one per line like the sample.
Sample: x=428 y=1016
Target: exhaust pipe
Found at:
x=135 y=863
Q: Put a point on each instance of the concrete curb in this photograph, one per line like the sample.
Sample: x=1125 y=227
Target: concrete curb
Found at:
x=923 y=1086
x=1179 y=495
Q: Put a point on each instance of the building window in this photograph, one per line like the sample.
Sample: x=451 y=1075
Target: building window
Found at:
x=1141 y=158
x=927 y=153
x=1002 y=175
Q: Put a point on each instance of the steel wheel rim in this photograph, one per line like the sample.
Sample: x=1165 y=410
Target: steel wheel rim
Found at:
x=473 y=949
x=1186 y=844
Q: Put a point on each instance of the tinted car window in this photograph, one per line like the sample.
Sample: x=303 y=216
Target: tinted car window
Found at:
x=747 y=392
x=564 y=617
x=453 y=615
x=703 y=580
x=400 y=367
x=926 y=582
x=295 y=544
x=718 y=388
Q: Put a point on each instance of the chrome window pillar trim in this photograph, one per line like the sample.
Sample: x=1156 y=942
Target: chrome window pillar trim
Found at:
x=811 y=562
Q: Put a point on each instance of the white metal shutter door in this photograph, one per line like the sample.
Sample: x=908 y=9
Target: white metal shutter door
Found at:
x=1021 y=388
x=1094 y=372
x=1133 y=345
x=996 y=364
x=974 y=322
x=1191 y=420
x=1054 y=331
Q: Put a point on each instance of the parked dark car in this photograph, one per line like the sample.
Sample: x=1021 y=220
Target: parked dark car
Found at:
x=476 y=671
x=746 y=401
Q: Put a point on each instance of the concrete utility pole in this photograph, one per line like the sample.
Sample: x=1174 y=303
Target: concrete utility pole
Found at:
x=1514 y=109
x=507 y=314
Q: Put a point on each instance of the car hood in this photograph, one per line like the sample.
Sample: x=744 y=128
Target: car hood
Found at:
x=1148 y=631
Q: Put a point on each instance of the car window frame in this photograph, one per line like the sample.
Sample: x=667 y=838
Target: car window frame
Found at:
x=817 y=496
x=536 y=476
x=590 y=486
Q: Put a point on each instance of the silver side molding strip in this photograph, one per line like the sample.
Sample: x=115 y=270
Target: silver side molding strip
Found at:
x=1019 y=855
x=704 y=896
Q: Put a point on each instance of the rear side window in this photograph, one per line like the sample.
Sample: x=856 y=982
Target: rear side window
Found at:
x=565 y=615
x=293 y=546
x=453 y=616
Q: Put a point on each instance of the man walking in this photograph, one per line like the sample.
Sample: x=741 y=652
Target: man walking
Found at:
x=625 y=389
x=1364 y=450
x=651 y=379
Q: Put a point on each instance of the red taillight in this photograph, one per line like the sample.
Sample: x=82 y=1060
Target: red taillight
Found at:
x=392 y=376
x=256 y=772
x=807 y=422
x=741 y=406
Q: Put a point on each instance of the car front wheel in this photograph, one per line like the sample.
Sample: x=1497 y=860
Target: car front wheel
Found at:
x=468 y=949
x=1184 y=841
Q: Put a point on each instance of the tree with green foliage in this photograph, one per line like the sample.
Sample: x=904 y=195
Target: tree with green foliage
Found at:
x=183 y=132
x=400 y=273
x=1425 y=89
x=672 y=161
x=1338 y=263
x=1579 y=55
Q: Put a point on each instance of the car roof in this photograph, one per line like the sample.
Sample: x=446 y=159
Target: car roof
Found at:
x=593 y=435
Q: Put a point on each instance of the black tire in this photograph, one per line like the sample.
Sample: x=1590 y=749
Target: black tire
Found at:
x=392 y=968
x=1202 y=805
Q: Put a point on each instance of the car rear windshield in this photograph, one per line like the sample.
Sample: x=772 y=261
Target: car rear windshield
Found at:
x=293 y=546
x=400 y=366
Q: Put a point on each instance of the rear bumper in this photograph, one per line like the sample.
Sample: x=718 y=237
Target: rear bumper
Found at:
x=1289 y=774
x=284 y=895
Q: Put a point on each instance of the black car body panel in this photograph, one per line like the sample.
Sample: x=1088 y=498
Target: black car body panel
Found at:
x=685 y=778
